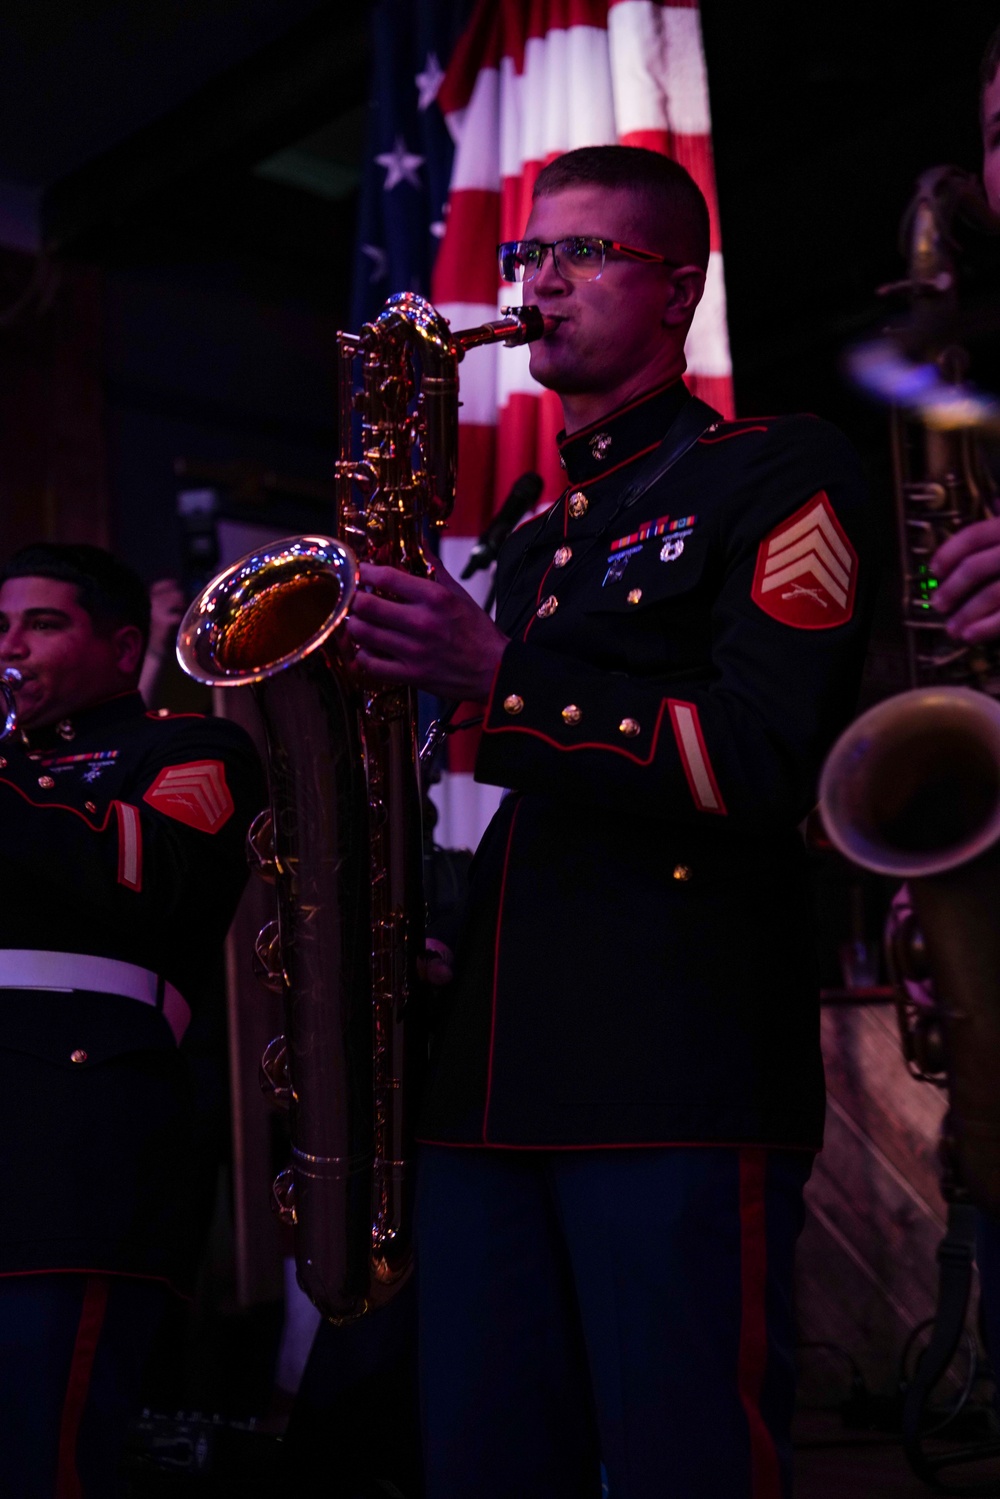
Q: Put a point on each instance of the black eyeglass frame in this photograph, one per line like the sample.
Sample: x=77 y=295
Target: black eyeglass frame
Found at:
x=509 y=247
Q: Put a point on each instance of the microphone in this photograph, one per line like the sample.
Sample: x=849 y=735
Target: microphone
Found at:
x=522 y=498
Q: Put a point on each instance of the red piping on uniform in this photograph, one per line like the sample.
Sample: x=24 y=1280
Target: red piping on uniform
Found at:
x=538 y=600
x=614 y=749
x=607 y=472
x=765 y=1475
x=95 y=827
x=160 y=1280
x=496 y=969
x=611 y=416
x=709 y=442
x=95 y=1301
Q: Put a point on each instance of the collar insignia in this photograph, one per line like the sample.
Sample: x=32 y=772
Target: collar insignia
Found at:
x=599 y=445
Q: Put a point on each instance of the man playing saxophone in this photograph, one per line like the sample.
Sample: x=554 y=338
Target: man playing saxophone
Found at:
x=627 y=1087
x=967 y=566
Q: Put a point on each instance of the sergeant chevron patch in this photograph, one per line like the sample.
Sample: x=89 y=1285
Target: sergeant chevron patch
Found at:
x=195 y=794
x=807 y=570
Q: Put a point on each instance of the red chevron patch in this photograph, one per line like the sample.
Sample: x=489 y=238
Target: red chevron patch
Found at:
x=807 y=570
x=195 y=794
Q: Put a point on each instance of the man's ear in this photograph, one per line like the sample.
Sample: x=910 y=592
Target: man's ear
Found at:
x=687 y=285
x=128 y=644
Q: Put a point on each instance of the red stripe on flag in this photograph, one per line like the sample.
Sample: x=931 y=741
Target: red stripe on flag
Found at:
x=466 y=267
x=694 y=154
x=717 y=390
x=476 y=459
x=526 y=441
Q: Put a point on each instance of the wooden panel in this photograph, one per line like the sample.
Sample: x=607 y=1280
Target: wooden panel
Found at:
x=867 y=1273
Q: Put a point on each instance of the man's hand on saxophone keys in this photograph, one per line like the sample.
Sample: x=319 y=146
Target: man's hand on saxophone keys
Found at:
x=967 y=568
x=424 y=632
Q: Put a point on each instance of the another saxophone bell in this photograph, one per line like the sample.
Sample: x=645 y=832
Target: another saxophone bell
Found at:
x=268 y=611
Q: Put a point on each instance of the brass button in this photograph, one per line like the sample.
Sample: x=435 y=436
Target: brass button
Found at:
x=571 y=713
x=79 y=1055
x=3 y=763
x=90 y=806
x=46 y=783
x=547 y=607
x=513 y=703
x=628 y=726
x=682 y=871
x=562 y=556
x=578 y=504
x=634 y=595
x=163 y=712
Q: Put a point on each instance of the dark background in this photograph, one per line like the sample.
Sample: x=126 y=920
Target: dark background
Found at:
x=192 y=169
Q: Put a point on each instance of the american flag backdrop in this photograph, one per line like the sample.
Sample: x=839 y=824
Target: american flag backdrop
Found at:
x=470 y=101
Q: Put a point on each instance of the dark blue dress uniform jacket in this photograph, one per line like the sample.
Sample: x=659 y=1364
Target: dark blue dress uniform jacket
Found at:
x=122 y=837
x=637 y=962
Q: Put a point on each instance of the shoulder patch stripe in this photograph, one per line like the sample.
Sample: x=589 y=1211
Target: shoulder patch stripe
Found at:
x=817 y=517
x=694 y=757
x=811 y=545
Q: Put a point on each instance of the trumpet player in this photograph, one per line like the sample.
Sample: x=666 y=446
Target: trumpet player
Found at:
x=627 y=1089
x=122 y=861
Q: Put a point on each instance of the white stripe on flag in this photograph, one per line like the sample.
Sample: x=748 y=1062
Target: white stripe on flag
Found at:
x=562 y=100
x=464 y=809
x=478 y=370
x=694 y=758
x=477 y=149
x=455 y=554
x=658 y=68
x=707 y=347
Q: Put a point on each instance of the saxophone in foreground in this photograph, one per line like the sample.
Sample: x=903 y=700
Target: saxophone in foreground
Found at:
x=342 y=840
x=912 y=788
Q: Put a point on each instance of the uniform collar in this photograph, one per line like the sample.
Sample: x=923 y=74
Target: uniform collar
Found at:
x=622 y=435
x=95 y=719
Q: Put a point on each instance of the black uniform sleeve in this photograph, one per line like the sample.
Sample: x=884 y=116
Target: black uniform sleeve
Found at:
x=744 y=737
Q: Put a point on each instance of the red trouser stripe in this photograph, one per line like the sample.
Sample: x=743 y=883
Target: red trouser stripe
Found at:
x=764 y=1468
x=95 y=1300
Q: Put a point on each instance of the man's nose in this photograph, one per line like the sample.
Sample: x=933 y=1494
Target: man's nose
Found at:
x=13 y=645
x=548 y=279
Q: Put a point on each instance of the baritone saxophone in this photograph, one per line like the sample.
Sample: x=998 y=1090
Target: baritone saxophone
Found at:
x=342 y=837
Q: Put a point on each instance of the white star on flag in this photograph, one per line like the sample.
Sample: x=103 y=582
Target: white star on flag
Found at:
x=400 y=166
x=429 y=81
x=379 y=260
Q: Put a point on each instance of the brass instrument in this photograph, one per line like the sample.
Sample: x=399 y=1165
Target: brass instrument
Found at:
x=342 y=841
x=10 y=678
x=912 y=788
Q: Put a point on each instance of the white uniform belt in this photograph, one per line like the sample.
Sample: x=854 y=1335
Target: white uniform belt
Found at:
x=27 y=968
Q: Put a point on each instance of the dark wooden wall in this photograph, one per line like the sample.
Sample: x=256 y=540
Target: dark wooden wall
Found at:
x=53 y=470
x=867 y=1273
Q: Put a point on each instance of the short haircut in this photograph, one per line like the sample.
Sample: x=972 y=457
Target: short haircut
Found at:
x=111 y=593
x=989 y=64
x=671 y=202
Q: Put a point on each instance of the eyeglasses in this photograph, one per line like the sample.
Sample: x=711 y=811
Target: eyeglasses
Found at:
x=579 y=258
